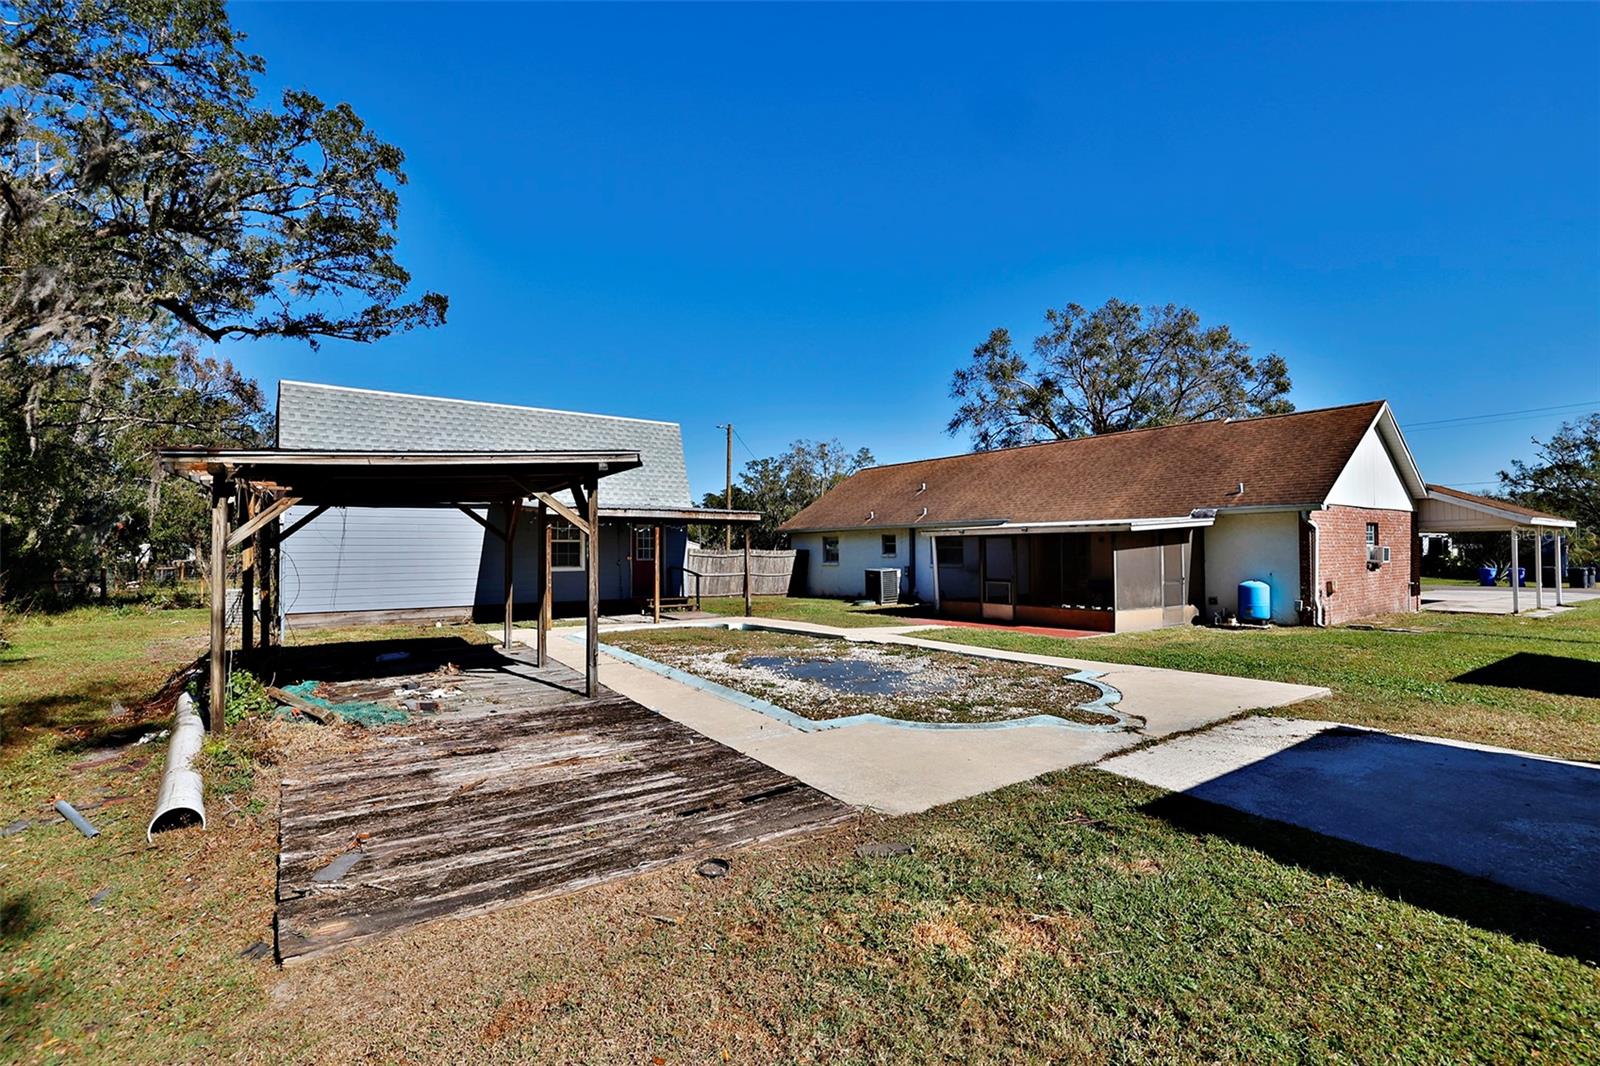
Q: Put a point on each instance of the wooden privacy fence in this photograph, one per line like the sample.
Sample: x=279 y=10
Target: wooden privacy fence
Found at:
x=716 y=573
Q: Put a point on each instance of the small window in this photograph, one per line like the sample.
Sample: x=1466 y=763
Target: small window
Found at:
x=1372 y=534
x=830 y=551
x=566 y=546
x=951 y=552
x=644 y=544
x=889 y=549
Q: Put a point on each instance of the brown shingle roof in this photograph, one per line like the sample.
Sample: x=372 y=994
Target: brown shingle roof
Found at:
x=1496 y=503
x=1283 y=460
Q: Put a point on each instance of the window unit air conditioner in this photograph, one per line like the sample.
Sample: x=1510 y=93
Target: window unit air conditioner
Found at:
x=1377 y=554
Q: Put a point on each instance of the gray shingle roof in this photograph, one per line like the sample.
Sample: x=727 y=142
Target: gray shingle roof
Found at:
x=336 y=418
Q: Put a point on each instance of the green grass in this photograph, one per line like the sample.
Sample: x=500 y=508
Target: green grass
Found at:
x=814 y=609
x=1077 y=917
x=1448 y=581
x=1414 y=682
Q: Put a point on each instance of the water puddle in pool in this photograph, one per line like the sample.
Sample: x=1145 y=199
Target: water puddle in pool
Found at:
x=851 y=676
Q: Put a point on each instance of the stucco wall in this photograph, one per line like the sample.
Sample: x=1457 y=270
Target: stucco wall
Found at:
x=1254 y=547
x=859 y=550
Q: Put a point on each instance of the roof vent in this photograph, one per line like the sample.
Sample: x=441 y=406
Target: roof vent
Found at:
x=1240 y=490
x=922 y=487
x=871 y=515
x=924 y=513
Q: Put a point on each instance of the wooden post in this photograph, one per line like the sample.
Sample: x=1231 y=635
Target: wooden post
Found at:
x=541 y=531
x=513 y=511
x=247 y=581
x=747 y=608
x=219 y=602
x=269 y=585
x=591 y=647
x=656 y=559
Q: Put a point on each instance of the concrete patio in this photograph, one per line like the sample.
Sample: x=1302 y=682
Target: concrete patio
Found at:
x=900 y=770
x=1520 y=820
x=1479 y=599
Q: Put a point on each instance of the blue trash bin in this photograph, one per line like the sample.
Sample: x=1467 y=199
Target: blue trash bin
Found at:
x=1487 y=575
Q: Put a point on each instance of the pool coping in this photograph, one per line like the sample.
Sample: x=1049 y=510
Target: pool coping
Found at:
x=1103 y=704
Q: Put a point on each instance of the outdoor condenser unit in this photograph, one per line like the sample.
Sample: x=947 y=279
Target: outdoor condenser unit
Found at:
x=883 y=586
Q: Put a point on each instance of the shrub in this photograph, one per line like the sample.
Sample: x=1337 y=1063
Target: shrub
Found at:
x=247 y=698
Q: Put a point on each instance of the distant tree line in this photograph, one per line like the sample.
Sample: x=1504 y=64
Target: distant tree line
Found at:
x=781 y=486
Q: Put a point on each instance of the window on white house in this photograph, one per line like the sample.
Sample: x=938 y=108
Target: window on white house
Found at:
x=889 y=548
x=1372 y=534
x=951 y=552
x=830 y=551
x=566 y=546
x=644 y=544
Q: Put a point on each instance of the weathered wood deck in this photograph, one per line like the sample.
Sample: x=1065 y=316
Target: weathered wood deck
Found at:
x=519 y=788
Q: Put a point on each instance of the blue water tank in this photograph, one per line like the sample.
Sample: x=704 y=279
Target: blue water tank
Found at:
x=1255 y=601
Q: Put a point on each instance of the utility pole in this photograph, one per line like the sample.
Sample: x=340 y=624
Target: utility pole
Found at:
x=727 y=497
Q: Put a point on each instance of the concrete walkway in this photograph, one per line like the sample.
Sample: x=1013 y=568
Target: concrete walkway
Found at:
x=898 y=770
x=1517 y=819
x=1481 y=599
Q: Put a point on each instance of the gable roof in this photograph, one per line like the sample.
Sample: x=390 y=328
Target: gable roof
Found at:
x=1284 y=461
x=336 y=418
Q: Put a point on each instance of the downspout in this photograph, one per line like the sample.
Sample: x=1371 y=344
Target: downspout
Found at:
x=1314 y=547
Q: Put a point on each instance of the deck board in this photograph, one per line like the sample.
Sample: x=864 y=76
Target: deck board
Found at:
x=521 y=788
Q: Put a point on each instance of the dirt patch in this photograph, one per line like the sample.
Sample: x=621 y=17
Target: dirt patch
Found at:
x=823 y=678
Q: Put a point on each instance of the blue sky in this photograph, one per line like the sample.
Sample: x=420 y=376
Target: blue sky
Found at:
x=802 y=219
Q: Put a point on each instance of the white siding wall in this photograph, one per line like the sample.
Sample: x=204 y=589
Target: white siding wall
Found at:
x=376 y=559
x=859 y=551
x=1371 y=478
x=1254 y=547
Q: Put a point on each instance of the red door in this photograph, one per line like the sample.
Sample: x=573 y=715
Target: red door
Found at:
x=644 y=562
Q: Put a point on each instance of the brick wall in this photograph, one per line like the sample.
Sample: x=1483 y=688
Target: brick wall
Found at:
x=1357 y=591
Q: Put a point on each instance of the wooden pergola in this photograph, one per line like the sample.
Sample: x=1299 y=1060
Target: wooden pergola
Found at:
x=256 y=487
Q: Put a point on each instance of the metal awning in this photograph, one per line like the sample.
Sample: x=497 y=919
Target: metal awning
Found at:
x=1447 y=510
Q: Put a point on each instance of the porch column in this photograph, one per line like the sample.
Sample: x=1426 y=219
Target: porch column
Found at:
x=591 y=651
x=1538 y=569
x=267 y=563
x=220 y=490
x=513 y=512
x=747 y=608
x=1515 y=535
x=655 y=556
x=1558 y=569
x=541 y=534
x=247 y=579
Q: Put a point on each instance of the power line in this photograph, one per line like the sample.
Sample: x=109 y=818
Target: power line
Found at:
x=1501 y=414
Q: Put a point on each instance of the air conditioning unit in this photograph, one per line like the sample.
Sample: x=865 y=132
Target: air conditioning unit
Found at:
x=1377 y=554
x=883 y=586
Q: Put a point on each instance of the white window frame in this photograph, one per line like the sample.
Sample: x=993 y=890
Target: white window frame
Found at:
x=559 y=527
x=825 y=560
x=1374 y=535
x=891 y=541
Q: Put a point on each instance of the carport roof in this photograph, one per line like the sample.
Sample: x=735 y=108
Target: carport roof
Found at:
x=397 y=479
x=1447 y=510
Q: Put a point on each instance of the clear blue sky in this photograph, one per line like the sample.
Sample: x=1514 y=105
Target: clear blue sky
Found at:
x=802 y=219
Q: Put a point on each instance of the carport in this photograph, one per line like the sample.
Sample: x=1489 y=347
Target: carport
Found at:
x=1447 y=510
x=253 y=488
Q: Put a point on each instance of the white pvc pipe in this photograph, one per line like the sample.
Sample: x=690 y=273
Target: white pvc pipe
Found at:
x=180 y=802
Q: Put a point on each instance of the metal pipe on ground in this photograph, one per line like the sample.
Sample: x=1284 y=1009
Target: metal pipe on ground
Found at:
x=180 y=801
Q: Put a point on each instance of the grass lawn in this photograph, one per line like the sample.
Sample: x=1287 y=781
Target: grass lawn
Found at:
x=1078 y=916
x=1448 y=581
x=1529 y=683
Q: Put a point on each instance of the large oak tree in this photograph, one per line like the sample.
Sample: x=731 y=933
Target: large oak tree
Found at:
x=1117 y=367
